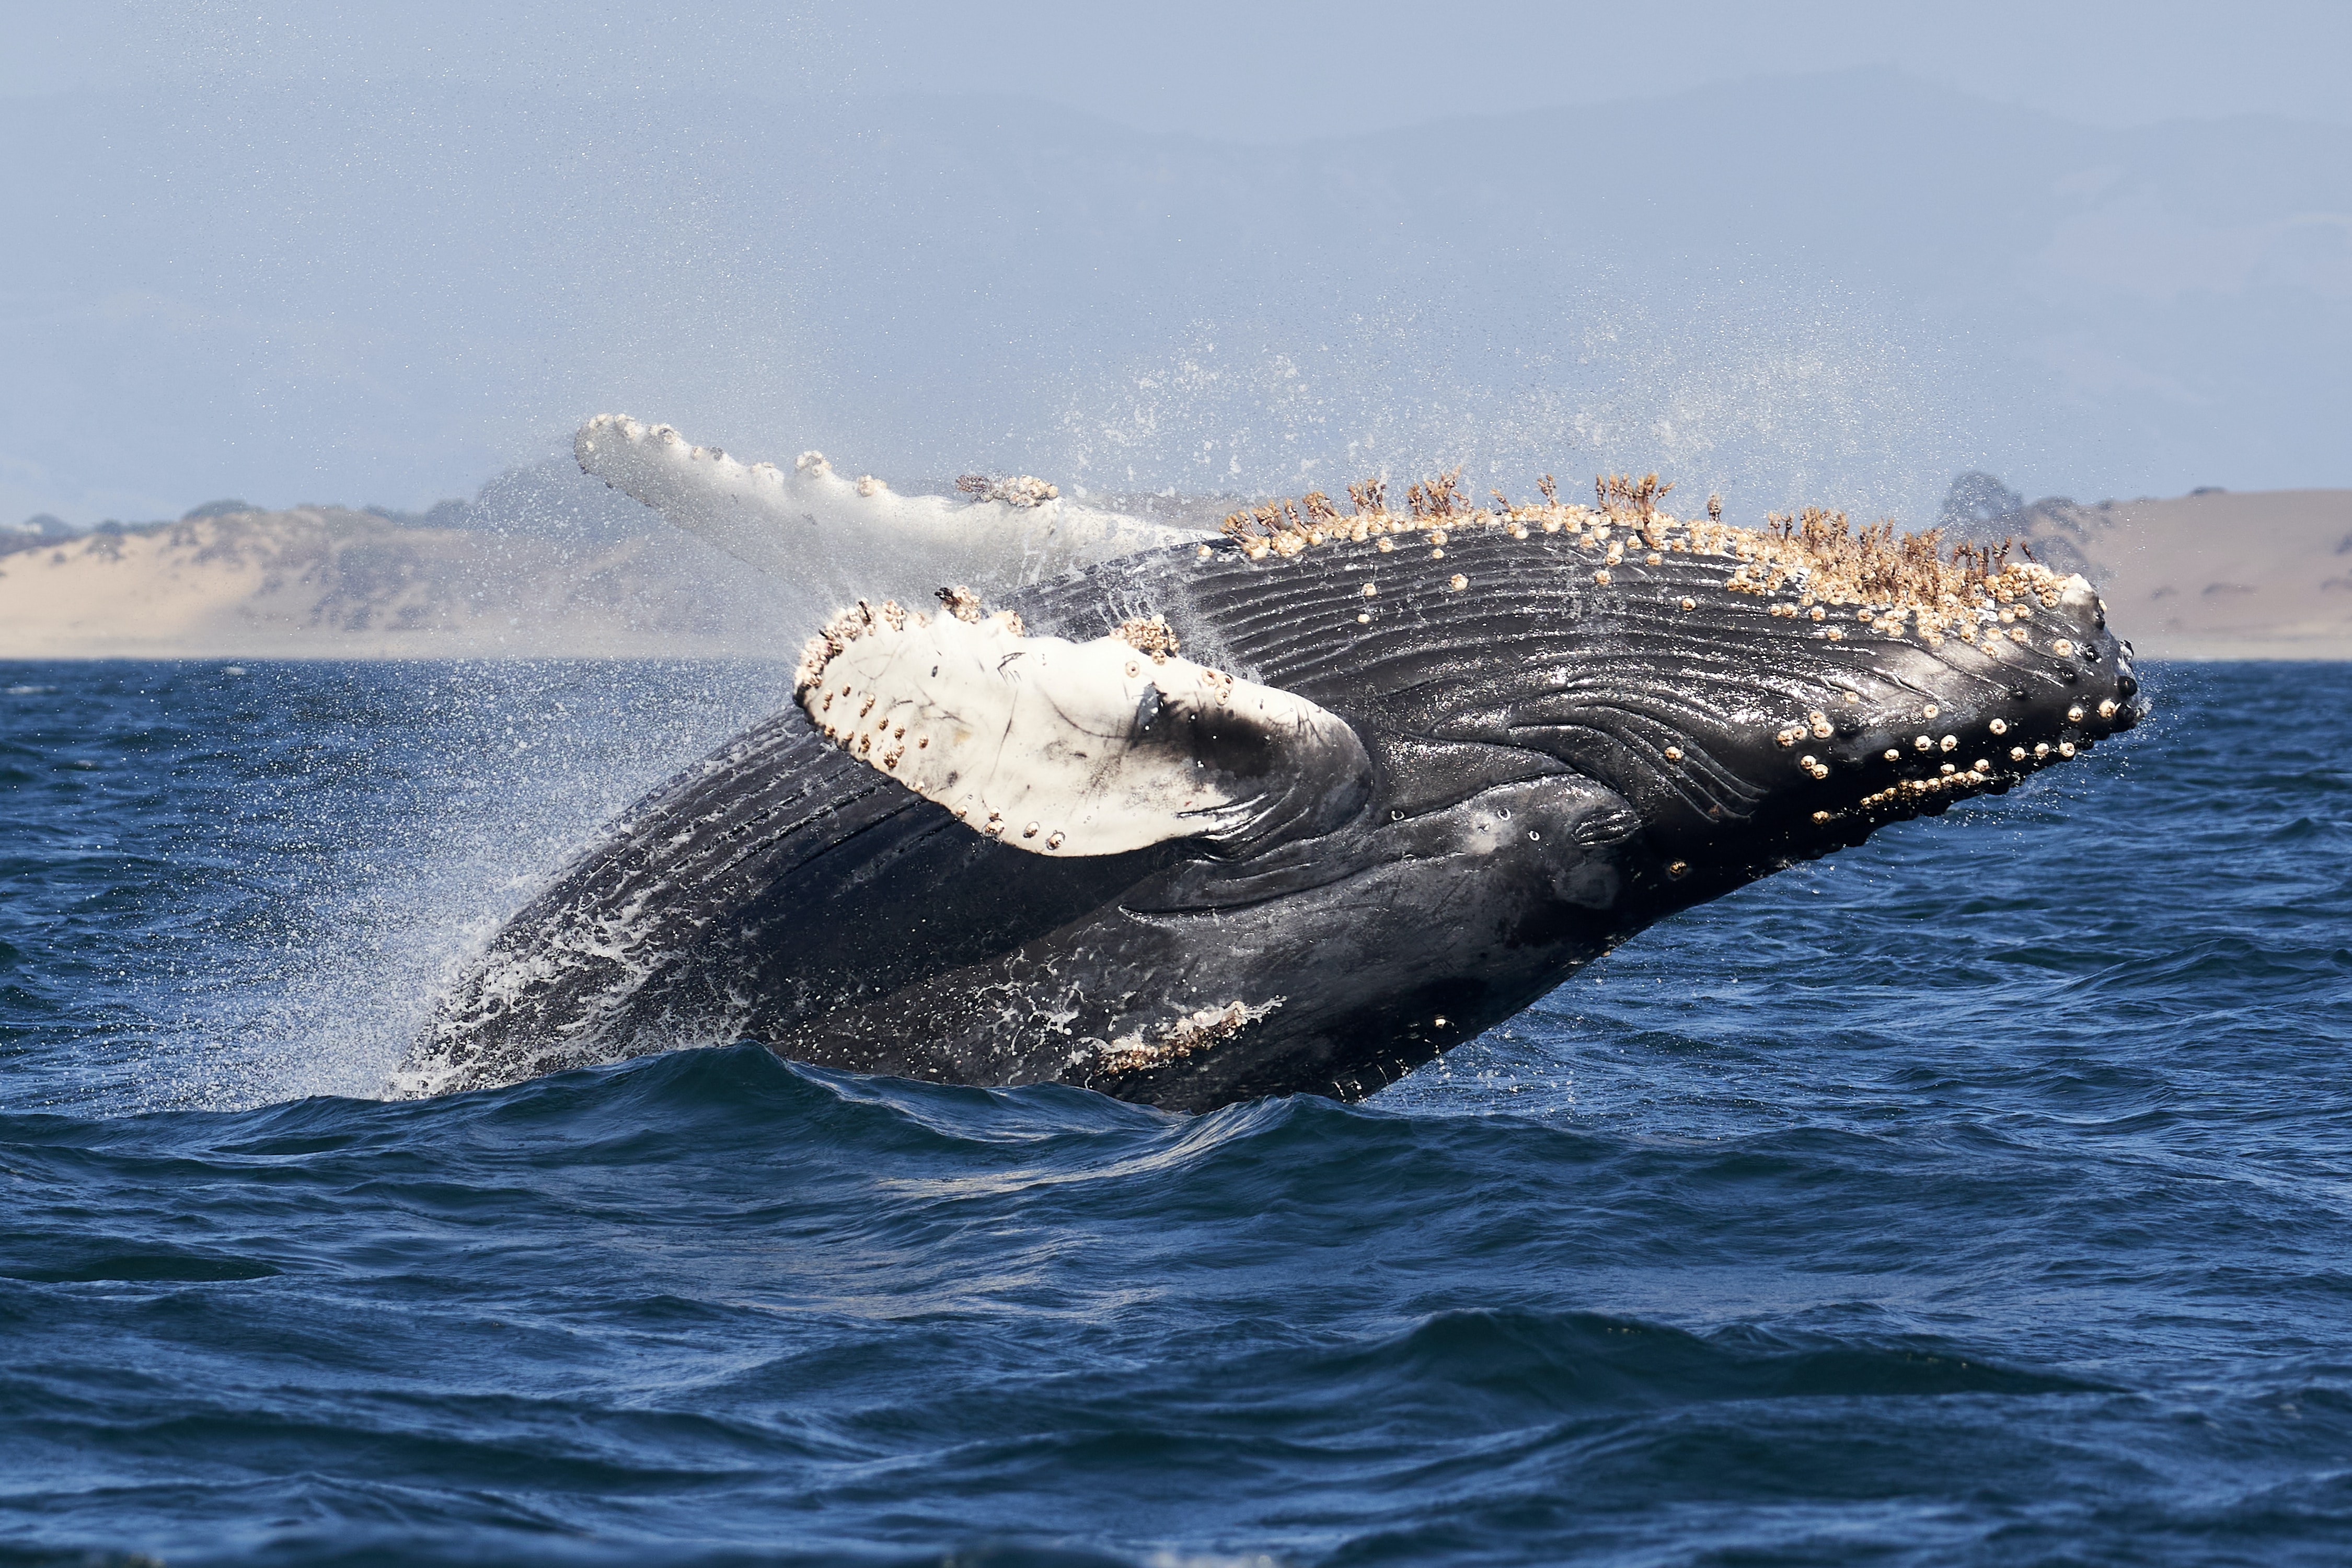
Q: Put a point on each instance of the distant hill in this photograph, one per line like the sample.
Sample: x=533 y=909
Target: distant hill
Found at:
x=2214 y=575
x=2263 y=574
x=325 y=582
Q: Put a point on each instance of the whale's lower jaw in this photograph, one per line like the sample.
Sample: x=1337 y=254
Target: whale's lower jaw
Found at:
x=1203 y=984
x=1548 y=753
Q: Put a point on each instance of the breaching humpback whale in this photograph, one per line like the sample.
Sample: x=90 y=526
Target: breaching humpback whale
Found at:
x=1296 y=807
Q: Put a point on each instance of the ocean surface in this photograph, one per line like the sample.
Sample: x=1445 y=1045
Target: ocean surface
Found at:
x=1983 y=1194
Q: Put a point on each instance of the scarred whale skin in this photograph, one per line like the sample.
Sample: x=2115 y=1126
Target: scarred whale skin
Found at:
x=1562 y=725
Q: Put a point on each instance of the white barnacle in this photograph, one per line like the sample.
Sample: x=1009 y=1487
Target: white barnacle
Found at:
x=1054 y=840
x=2066 y=748
x=1819 y=769
x=1894 y=755
x=1364 y=620
x=2040 y=748
x=1809 y=763
x=2017 y=754
x=2062 y=647
x=1383 y=545
x=1031 y=831
x=1602 y=578
x=1457 y=583
x=1690 y=603
x=1929 y=711
x=1674 y=753
x=2107 y=709
x=1949 y=744
x=1925 y=742
x=2075 y=714
x=1998 y=726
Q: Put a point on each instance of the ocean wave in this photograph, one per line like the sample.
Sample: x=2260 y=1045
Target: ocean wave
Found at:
x=1970 y=1196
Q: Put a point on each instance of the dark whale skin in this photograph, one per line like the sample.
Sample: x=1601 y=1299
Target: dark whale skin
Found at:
x=1557 y=764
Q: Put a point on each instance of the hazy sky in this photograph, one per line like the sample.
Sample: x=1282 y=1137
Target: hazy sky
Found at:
x=377 y=254
x=1243 y=69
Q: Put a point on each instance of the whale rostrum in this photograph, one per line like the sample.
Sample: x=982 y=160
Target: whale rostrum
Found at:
x=1295 y=807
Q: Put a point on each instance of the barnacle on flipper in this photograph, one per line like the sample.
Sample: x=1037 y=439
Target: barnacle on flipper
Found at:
x=1148 y=634
x=1014 y=490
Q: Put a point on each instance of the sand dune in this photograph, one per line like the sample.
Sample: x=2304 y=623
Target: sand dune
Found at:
x=2263 y=574
x=2257 y=575
x=322 y=582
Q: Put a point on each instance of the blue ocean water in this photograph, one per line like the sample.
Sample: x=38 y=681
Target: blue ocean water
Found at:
x=1983 y=1194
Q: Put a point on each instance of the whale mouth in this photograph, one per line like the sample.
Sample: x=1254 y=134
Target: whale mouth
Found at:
x=1894 y=726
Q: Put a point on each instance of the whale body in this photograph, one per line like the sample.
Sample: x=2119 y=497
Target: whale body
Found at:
x=1295 y=810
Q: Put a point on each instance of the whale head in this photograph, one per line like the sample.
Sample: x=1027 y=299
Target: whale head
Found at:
x=1756 y=696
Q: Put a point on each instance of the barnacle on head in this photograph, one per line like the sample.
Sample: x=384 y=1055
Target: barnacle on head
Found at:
x=1902 y=584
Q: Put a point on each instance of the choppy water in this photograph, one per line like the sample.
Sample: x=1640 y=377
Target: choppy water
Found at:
x=1980 y=1196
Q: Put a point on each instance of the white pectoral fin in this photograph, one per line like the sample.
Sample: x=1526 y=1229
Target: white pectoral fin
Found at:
x=784 y=520
x=1063 y=748
x=760 y=514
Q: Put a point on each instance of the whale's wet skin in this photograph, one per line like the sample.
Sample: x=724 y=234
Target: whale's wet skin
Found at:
x=1299 y=809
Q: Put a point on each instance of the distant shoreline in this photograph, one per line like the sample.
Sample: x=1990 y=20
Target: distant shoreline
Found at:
x=2213 y=577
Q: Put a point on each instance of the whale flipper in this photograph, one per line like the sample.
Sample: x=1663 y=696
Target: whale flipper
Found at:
x=1077 y=748
x=794 y=524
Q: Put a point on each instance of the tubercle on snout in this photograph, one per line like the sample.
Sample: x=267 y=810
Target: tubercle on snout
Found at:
x=1945 y=761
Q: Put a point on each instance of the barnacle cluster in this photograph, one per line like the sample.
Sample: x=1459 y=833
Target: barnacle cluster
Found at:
x=1017 y=489
x=1196 y=1031
x=1148 y=634
x=861 y=618
x=1810 y=563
